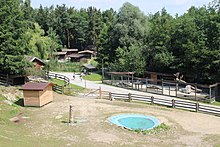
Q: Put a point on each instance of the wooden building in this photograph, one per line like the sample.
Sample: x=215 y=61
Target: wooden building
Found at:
x=37 y=94
x=69 y=51
x=75 y=57
x=38 y=63
x=156 y=76
x=60 y=55
x=88 y=54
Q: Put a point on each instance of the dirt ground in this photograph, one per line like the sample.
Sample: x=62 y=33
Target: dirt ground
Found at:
x=93 y=129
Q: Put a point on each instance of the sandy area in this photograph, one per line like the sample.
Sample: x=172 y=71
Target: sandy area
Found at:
x=93 y=129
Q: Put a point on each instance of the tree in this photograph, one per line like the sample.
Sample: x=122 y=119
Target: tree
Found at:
x=12 y=42
x=127 y=38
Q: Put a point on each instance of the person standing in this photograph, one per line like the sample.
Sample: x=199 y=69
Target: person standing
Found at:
x=74 y=75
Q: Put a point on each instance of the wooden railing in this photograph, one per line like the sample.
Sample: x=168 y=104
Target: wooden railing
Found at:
x=58 y=88
x=58 y=76
x=4 y=79
x=173 y=103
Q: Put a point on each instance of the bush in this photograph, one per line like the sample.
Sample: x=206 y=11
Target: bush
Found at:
x=54 y=65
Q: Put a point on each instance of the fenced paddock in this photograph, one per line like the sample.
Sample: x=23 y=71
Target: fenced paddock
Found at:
x=172 y=103
x=204 y=93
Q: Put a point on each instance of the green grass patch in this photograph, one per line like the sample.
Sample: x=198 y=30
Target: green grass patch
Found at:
x=70 y=89
x=93 y=62
x=64 y=66
x=58 y=82
x=93 y=77
x=216 y=103
x=161 y=128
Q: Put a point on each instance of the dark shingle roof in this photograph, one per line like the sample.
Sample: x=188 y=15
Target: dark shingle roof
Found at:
x=31 y=59
x=35 y=86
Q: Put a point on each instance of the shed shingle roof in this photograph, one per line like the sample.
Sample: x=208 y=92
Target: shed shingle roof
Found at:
x=35 y=86
x=89 y=66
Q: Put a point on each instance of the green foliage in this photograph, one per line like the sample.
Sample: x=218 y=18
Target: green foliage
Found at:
x=161 y=128
x=93 y=62
x=39 y=45
x=54 y=65
x=93 y=77
x=12 y=42
x=126 y=40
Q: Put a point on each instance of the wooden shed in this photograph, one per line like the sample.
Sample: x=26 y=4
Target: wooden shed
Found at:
x=38 y=63
x=37 y=94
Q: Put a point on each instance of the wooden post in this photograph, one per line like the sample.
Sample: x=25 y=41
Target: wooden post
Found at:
x=71 y=114
x=176 y=88
x=100 y=92
x=85 y=84
x=132 y=80
x=7 y=80
x=195 y=92
x=111 y=79
x=152 y=100
x=210 y=93
x=197 y=107
x=146 y=85
x=173 y=103
x=62 y=89
x=129 y=97
x=162 y=86
x=110 y=96
x=169 y=89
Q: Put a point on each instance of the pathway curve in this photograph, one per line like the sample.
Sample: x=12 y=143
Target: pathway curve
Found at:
x=104 y=87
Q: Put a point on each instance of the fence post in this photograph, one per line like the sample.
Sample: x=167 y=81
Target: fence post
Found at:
x=100 y=92
x=110 y=96
x=71 y=114
x=7 y=80
x=85 y=84
x=62 y=89
x=162 y=86
x=152 y=99
x=173 y=103
x=169 y=89
x=210 y=94
x=176 y=88
x=197 y=107
x=146 y=85
x=129 y=97
x=195 y=92
x=55 y=76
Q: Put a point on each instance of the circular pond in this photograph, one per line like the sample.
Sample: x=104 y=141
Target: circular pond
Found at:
x=135 y=121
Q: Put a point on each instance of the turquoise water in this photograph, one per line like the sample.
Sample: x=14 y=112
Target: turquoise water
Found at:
x=135 y=121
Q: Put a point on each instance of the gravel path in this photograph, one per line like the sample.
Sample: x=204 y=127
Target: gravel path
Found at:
x=104 y=87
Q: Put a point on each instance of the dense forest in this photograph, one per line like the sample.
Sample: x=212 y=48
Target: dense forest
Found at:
x=125 y=40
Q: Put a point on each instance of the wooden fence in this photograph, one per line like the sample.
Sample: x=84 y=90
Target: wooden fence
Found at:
x=58 y=76
x=4 y=79
x=173 y=103
x=58 y=88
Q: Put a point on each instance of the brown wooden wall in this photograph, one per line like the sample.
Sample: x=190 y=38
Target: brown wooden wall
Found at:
x=38 y=98
x=31 y=98
x=46 y=96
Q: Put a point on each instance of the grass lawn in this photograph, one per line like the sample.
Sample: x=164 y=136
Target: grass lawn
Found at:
x=93 y=77
x=72 y=86
x=18 y=134
x=216 y=103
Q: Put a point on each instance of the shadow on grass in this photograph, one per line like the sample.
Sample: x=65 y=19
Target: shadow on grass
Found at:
x=19 y=102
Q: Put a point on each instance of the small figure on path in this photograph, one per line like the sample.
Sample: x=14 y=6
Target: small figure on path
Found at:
x=73 y=75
